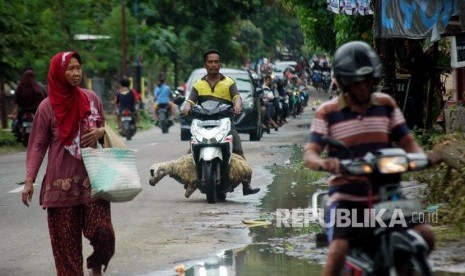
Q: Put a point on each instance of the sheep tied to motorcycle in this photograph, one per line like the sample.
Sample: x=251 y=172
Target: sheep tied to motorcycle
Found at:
x=211 y=166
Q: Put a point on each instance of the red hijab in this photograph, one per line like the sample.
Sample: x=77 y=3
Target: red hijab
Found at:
x=69 y=103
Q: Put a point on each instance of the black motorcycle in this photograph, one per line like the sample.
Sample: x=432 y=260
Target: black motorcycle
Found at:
x=164 y=118
x=127 y=124
x=22 y=127
x=396 y=250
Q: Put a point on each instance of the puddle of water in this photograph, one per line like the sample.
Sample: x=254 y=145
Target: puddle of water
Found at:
x=304 y=126
x=255 y=259
x=275 y=250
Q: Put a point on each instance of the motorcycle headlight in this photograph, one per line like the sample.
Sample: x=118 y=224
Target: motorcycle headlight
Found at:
x=392 y=164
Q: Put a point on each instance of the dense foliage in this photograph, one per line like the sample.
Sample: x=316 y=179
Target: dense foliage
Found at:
x=162 y=36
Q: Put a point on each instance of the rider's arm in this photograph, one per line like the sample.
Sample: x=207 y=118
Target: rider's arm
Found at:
x=236 y=98
x=190 y=101
x=313 y=160
x=155 y=94
x=409 y=144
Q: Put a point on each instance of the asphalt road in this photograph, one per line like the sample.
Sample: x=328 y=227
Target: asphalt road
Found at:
x=159 y=228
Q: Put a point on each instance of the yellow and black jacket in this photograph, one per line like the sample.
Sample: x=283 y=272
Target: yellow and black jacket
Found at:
x=225 y=91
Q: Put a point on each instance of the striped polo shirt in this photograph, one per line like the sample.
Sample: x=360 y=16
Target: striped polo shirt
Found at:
x=382 y=125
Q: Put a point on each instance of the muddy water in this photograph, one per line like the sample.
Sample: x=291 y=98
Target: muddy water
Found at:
x=276 y=250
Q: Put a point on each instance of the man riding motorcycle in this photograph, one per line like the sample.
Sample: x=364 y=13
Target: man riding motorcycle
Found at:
x=162 y=97
x=364 y=121
x=126 y=98
x=216 y=86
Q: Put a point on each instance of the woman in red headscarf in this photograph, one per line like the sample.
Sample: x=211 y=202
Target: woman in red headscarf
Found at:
x=69 y=119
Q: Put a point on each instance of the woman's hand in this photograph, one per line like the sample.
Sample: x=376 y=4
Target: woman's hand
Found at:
x=28 y=191
x=92 y=136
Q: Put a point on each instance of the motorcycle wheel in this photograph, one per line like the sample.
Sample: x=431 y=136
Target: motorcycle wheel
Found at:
x=164 y=126
x=209 y=173
x=221 y=196
x=25 y=139
x=126 y=130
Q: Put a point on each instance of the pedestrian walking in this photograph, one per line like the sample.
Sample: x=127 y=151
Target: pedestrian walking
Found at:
x=69 y=119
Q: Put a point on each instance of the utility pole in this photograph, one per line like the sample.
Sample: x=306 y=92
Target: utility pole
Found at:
x=137 y=72
x=123 y=40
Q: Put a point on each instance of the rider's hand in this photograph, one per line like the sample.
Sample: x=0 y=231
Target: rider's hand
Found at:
x=186 y=109
x=238 y=107
x=28 y=191
x=330 y=165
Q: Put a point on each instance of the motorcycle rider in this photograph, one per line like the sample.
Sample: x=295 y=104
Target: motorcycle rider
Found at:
x=27 y=97
x=268 y=106
x=216 y=86
x=126 y=98
x=364 y=121
x=162 y=97
x=293 y=91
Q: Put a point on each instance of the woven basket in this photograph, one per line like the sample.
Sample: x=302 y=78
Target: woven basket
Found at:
x=112 y=173
x=111 y=139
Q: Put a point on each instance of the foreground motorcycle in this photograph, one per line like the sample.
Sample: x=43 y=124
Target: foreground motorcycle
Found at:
x=396 y=250
x=211 y=147
x=128 y=126
x=164 y=120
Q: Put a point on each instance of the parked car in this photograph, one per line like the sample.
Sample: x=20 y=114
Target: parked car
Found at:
x=250 y=120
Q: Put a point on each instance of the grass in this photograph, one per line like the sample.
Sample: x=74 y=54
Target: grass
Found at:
x=447 y=233
x=8 y=143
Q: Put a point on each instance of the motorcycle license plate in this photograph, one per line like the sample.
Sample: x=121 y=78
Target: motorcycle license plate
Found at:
x=209 y=123
x=404 y=207
x=126 y=118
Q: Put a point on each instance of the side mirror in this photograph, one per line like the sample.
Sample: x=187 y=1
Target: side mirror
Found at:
x=179 y=100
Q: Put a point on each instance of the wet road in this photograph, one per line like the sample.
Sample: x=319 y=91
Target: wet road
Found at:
x=159 y=228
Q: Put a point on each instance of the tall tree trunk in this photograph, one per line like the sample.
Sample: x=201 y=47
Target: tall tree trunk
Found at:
x=385 y=49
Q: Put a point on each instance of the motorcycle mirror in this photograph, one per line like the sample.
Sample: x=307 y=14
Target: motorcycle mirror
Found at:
x=179 y=100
